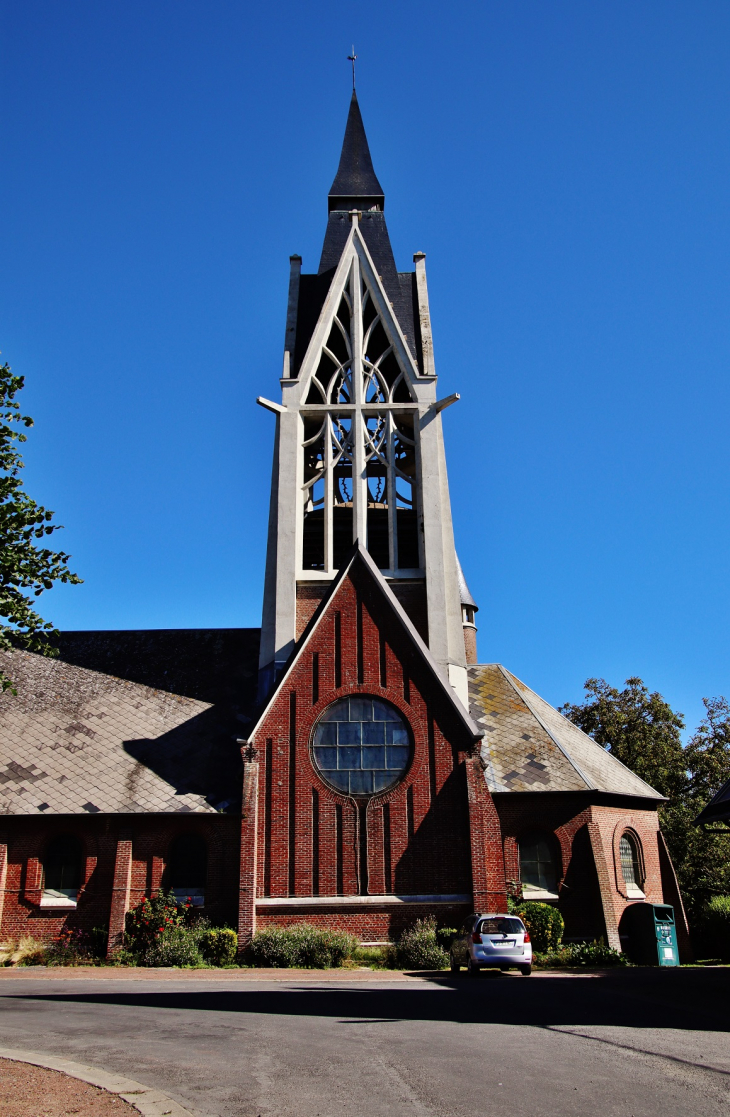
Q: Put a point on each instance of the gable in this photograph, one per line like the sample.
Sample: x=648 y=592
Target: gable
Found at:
x=360 y=590
x=357 y=316
x=318 y=835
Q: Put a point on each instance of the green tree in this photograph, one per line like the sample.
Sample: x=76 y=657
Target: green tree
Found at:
x=26 y=567
x=702 y=860
x=643 y=731
x=638 y=728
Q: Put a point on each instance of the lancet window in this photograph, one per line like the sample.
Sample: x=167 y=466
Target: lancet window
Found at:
x=359 y=443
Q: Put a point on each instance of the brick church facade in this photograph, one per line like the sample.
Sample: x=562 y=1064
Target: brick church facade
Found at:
x=349 y=764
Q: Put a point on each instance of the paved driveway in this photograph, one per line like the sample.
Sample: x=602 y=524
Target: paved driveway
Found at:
x=631 y=1044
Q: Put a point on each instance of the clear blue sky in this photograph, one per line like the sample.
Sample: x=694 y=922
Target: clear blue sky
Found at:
x=564 y=165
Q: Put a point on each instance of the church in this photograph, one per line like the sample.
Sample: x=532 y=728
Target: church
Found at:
x=351 y=764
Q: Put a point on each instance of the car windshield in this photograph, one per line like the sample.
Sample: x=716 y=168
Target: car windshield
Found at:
x=501 y=926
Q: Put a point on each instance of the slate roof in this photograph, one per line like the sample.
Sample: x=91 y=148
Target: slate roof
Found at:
x=128 y=722
x=529 y=746
x=356 y=185
x=718 y=808
x=146 y=722
x=464 y=592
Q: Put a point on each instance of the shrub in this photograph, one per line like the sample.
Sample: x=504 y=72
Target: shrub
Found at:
x=545 y=924
x=445 y=936
x=153 y=917
x=71 y=948
x=377 y=957
x=270 y=947
x=98 y=941
x=583 y=954
x=219 y=946
x=122 y=957
x=176 y=946
x=160 y=931
x=25 y=951
x=419 y=948
x=717 y=925
x=301 y=945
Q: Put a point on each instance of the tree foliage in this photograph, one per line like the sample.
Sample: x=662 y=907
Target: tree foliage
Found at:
x=638 y=728
x=643 y=731
x=26 y=567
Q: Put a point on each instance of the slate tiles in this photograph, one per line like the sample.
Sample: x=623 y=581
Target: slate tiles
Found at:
x=529 y=746
x=77 y=740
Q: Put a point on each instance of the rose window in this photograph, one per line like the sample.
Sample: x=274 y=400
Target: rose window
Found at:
x=361 y=746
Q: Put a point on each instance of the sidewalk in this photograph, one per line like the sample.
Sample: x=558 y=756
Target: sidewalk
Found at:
x=144 y=973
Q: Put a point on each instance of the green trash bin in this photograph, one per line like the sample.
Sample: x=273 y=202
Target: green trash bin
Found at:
x=649 y=935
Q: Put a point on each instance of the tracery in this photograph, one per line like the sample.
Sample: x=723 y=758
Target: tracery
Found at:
x=359 y=443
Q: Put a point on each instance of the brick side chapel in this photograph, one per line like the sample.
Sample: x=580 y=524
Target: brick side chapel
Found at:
x=351 y=763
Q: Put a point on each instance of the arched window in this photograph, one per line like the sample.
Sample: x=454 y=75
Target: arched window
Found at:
x=538 y=871
x=62 y=872
x=631 y=869
x=189 y=869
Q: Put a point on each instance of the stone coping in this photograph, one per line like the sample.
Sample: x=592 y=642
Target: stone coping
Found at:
x=381 y=901
x=147 y=1100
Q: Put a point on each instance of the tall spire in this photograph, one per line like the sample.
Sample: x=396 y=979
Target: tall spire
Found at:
x=356 y=185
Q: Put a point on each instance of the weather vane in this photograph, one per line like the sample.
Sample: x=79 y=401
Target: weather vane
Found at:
x=351 y=58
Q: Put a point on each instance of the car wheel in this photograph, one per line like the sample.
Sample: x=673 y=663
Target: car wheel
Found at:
x=453 y=964
x=525 y=970
x=472 y=969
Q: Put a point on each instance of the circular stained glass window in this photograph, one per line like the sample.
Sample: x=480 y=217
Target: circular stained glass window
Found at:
x=361 y=745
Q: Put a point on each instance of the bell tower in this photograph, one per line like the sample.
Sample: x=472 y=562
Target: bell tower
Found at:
x=359 y=451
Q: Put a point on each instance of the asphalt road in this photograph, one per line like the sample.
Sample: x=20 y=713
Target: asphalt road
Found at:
x=637 y=1043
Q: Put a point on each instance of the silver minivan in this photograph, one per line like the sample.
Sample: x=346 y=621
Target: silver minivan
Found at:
x=492 y=941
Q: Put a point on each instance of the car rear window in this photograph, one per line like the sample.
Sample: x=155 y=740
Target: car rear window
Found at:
x=501 y=926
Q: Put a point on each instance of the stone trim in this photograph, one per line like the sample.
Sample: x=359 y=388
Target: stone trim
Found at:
x=384 y=900
x=3 y=873
x=146 y=1099
x=628 y=891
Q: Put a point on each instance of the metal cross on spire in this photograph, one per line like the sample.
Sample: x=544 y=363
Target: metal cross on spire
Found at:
x=352 y=58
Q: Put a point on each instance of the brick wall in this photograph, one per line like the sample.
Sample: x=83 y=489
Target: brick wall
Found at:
x=586 y=836
x=411 y=595
x=470 y=644
x=100 y=836
x=411 y=840
x=370 y=924
x=308 y=598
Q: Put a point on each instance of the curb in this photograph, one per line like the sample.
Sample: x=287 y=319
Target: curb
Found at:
x=148 y=1101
